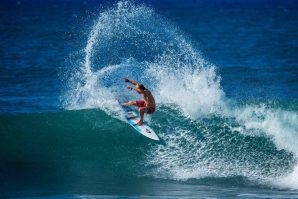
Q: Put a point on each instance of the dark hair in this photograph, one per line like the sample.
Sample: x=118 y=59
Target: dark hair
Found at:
x=140 y=86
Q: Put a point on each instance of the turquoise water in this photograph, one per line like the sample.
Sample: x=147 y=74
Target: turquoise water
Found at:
x=223 y=75
x=75 y=152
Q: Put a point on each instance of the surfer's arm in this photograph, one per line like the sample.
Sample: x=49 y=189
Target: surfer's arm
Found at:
x=136 y=89
x=130 y=81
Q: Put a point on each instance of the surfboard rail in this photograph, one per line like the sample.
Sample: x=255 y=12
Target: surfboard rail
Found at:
x=133 y=117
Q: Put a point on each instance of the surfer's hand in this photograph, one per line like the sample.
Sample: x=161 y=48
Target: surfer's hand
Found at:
x=129 y=87
x=125 y=79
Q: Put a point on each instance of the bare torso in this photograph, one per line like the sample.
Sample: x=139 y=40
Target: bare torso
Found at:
x=148 y=98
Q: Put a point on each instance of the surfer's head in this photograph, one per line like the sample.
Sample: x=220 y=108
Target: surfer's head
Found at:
x=140 y=86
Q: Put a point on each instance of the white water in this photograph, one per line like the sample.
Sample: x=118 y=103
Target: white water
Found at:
x=132 y=41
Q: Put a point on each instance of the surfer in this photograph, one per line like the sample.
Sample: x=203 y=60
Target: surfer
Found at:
x=145 y=106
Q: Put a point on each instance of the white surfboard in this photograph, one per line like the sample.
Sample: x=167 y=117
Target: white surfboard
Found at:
x=133 y=117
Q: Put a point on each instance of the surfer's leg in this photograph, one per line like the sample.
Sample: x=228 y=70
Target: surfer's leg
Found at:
x=142 y=111
x=130 y=103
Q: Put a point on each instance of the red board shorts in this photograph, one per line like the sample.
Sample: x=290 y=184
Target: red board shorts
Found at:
x=142 y=103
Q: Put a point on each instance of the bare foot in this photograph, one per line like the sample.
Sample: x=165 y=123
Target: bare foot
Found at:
x=140 y=123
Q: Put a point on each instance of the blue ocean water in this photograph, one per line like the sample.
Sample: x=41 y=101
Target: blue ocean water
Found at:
x=223 y=73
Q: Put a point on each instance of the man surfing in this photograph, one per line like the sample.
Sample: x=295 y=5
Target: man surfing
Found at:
x=145 y=106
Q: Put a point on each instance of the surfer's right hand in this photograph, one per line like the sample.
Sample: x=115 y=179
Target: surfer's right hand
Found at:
x=125 y=79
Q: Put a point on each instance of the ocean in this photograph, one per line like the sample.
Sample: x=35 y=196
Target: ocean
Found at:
x=224 y=74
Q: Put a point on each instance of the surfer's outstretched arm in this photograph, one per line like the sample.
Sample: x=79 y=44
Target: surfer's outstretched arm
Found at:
x=136 y=89
x=130 y=81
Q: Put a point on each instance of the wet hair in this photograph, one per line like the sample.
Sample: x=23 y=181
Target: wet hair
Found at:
x=140 y=86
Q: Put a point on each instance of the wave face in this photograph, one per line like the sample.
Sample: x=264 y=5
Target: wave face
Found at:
x=207 y=137
x=40 y=148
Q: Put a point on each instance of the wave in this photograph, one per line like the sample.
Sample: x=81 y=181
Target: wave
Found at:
x=68 y=143
x=205 y=134
x=84 y=143
x=258 y=148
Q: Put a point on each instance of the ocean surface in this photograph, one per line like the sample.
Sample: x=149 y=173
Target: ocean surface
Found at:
x=224 y=75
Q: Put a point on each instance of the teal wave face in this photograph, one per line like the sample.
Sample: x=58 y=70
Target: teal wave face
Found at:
x=90 y=144
x=68 y=143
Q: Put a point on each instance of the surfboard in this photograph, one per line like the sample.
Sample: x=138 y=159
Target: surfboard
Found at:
x=133 y=117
